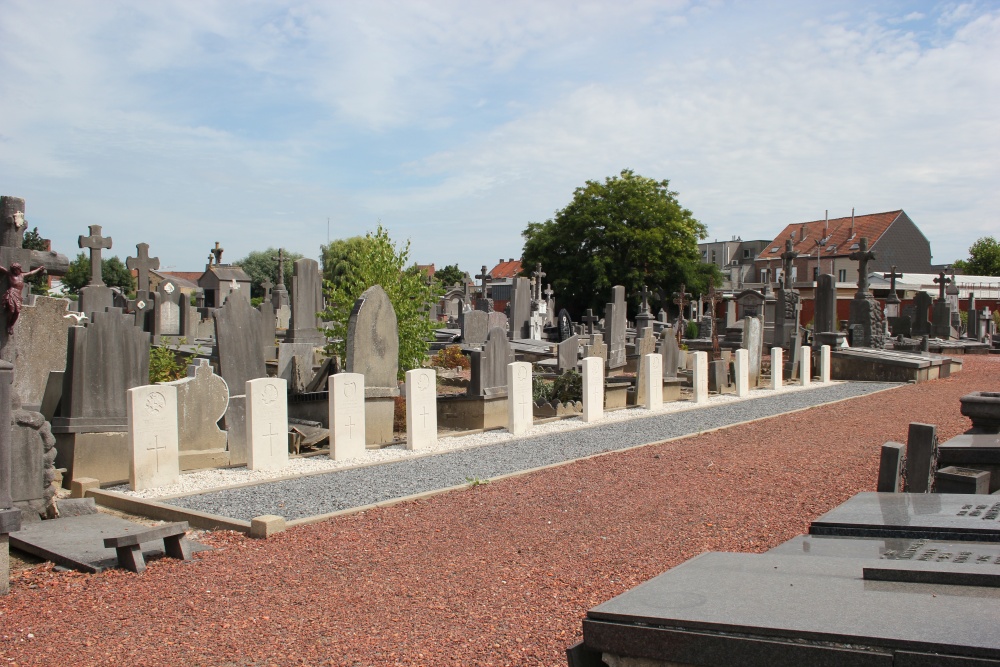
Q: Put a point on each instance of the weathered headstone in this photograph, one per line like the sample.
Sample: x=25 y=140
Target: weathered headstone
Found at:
x=593 y=389
x=700 y=377
x=202 y=399
x=307 y=302
x=267 y=424
x=777 y=374
x=956 y=479
x=753 y=343
x=519 y=407
x=39 y=346
x=921 y=457
x=890 y=468
x=741 y=368
x=614 y=328
x=567 y=354
x=496 y=320
x=596 y=348
x=96 y=296
x=565 y=323
x=651 y=388
x=238 y=336
x=669 y=351
x=520 y=309
x=373 y=351
x=347 y=415
x=421 y=408
x=489 y=366
x=475 y=327
x=152 y=436
x=167 y=310
x=921 y=324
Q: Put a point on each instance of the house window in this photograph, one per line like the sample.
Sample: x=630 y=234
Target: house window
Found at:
x=746 y=254
x=815 y=273
x=842 y=276
x=713 y=257
x=763 y=275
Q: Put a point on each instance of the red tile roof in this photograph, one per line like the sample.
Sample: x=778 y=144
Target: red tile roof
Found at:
x=509 y=269
x=838 y=232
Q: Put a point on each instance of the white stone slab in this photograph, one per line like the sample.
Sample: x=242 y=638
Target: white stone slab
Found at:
x=824 y=364
x=805 y=365
x=652 y=377
x=593 y=388
x=421 y=408
x=152 y=437
x=777 y=362
x=267 y=424
x=741 y=365
x=347 y=415
x=519 y=407
x=699 y=365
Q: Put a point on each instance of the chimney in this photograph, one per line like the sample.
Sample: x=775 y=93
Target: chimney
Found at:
x=511 y=259
x=500 y=261
x=802 y=236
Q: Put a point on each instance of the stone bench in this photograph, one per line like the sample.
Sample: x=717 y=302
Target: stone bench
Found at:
x=130 y=552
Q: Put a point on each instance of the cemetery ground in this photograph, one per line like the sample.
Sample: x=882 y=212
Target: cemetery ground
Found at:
x=498 y=574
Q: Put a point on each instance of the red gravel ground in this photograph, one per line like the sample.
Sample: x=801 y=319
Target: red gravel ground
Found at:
x=501 y=574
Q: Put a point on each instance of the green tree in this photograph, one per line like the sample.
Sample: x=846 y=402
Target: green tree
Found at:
x=984 y=258
x=260 y=267
x=113 y=271
x=449 y=275
x=342 y=256
x=629 y=230
x=34 y=241
x=377 y=261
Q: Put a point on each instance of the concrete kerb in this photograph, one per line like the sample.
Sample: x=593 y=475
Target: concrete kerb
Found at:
x=164 y=512
x=202 y=519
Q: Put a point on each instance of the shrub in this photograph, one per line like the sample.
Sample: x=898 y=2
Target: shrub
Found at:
x=541 y=390
x=691 y=331
x=164 y=365
x=568 y=387
x=450 y=357
x=399 y=414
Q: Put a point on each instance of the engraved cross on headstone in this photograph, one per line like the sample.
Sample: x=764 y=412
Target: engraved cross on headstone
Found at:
x=96 y=243
x=142 y=264
x=280 y=259
x=156 y=449
x=862 y=256
x=270 y=436
x=424 y=412
x=892 y=275
x=590 y=320
x=786 y=264
x=350 y=426
x=942 y=280
x=217 y=251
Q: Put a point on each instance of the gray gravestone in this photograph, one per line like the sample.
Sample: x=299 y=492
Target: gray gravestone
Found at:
x=890 y=468
x=753 y=342
x=670 y=351
x=39 y=342
x=921 y=457
x=239 y=342
x=520 y=309
x=496 y=320
x=167 y=309
x=568 y=354
x=955 y=479
x=373 y=341
x=921 y=326
x=614 y=327
x=825 y=319
x=596 y=348
x=269 y=326
x=307 y=302
x=475 y=325
x=202 y=399
x=96 y=296
x=489 y=366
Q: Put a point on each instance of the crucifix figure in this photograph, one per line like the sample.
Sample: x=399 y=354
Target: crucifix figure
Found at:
x=590 y=320
x=862 y=256
x=786 y=264
x=645 y=293
x=142 y=264
x=942 y=280
x=96 y=243
x=537 y=276
x=280 y=259
x=681 y=300
x=12 y=297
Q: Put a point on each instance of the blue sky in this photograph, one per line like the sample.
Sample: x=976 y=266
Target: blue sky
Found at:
x=455 y=123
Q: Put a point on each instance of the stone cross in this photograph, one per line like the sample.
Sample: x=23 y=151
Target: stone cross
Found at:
x=210 y=258
x=645 y=293
x=537 y=276
x=590 y=320
x=483 y=277
x=862 y=256
x=942 y=280
x=96 y=243
x=713 y=300
x=681 y=300
x=266 y=286
x=142 y=263
x=548 y=292
x=892 y=275
x=786 y=264
x=217 y=251
x=280 y=259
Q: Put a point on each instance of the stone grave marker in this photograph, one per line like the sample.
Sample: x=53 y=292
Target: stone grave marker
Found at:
x=753 y=343
x=670 y=353
x=921 y=457
x=596 y=348
x=741 y=368
x=614 y=328
x=347 y=415
x=496 y=320
x=307 y=302
x=890 y=468
x=593 y=389
x=96 y=296
x=421 y=408
x=152 y=436
x=489 y=366
x=651 y=387
x=373 y=351
x=167 y=310
x=267 y=424
x=239 y=344
x=921 y=325
x=565 y=323
x=824 y=364
x=700 y=377
x=777 y=375
x=955 y=479
x=475 y=325
x=39 y=343
x=520 y=309
x=519 y=405
x=567 y=355
x=202 y=399
x=805 y=365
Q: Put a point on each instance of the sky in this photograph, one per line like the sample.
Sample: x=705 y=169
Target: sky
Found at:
x=455 y=124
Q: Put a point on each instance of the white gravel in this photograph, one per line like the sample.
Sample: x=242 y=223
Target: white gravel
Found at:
x=203 y=480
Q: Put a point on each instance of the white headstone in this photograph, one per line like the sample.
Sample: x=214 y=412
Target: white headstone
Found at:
x=267 y=423
x=652 y=377
x=699 y=366
x=421 y=408
x=347 y=415
x=741 y=364
x=593 y=388
x=152 y=437
x=776 y=367
x=824 y=364
x=519 y=407
x=805 y=365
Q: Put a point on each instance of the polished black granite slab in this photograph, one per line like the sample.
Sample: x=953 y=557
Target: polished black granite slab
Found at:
x=891 y=548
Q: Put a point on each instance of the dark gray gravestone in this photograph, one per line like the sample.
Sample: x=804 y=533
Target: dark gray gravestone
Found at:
x=890 y=468
x=705 y=325
x=953 y=479
x=269 y=326
x=39 y=342
x=891 y=548
x=718 y=376
x=670 y=352
x=307 y=302
x=167 y=309
x=944 y=516
x=941 y=319
x=240 y=345
x=565 y=325
x=373 y=342
x=475 y=327
x=520 y=309
x=921 y=457
x=825 y=319
x=568 y=354
x=921 y=324
x=614 y=327
x=489 y=366
x=723 y=609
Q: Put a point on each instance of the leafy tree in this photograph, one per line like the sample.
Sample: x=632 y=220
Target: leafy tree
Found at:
x=260 y=267
x=377 y=261
x=629 y=230
x=34 y=241
x=342 y=256
x=113 y=271
x=450 y=275
x=984 y=258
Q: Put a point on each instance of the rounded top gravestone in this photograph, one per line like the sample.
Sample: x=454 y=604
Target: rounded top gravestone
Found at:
x=373 y=339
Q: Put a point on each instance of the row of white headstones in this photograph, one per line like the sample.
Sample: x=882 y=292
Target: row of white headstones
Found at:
x=153 y=425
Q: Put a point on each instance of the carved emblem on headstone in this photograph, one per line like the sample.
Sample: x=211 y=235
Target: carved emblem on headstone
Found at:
x=155 y=402
x=270 y=394
x=168 y=288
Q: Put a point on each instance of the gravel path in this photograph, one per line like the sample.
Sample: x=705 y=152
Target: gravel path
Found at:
x=321 y=494
x=500 y=574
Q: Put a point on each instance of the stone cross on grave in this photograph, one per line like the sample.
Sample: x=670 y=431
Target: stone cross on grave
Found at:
x=681 y=300
x=217 y=251
x=266 y=286
x=645 y=294
x=483 y=277
x=548 y=292
x=786 y=264
x=862 y=256
x=210 y=257
x=713 y=300
x=537 y=277
x=892 y=275
x=142 y=264
x=590 y=320
x=96 y=243
x=280 y=259
x=942 y=280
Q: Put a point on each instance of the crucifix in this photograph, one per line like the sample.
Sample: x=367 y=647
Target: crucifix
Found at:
x=942 y=280
x=645 y=294
x=862 y=256
x=681 y=300
x=142 y=264
x=786 y=264
x=537 y=276
x=590 y=320
x=281 y=266
x=217 y=251
x=96 y=243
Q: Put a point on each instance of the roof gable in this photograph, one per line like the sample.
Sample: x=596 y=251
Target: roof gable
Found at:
x=508 y=269
x=841 y=236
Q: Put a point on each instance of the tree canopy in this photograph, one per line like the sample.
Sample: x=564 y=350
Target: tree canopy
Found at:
x=361 y=262
x=34 y=241
x=260 y=267
x=629 y=230
x=449 y=275
x=113 y=271
x=984 y=258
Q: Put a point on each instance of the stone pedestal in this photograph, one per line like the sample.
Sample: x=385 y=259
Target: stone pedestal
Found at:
x=700 y=378
x=867 y=313
x=805 y=366
x=741 y=368
x=776 y=367
x=593 y=389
